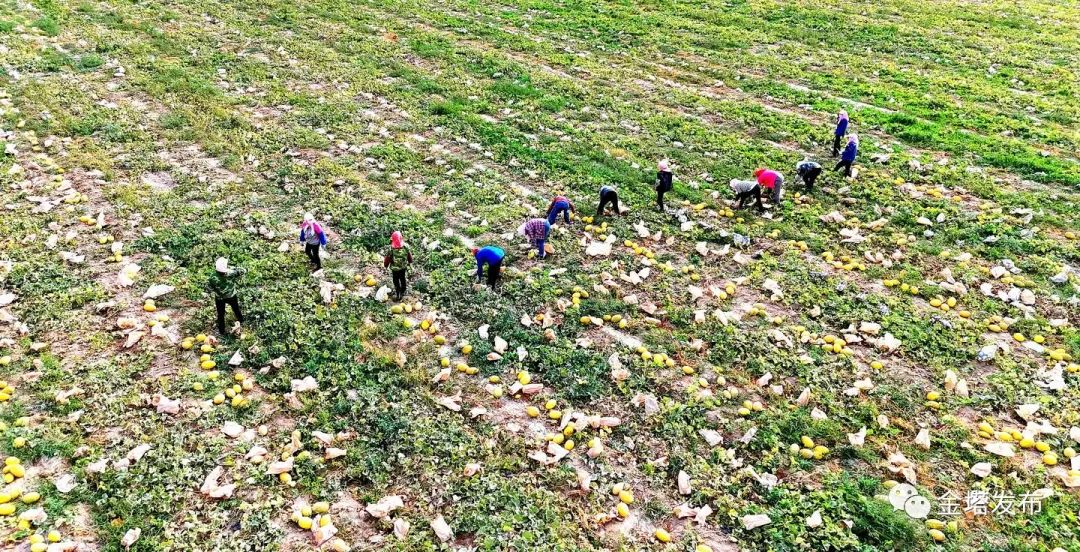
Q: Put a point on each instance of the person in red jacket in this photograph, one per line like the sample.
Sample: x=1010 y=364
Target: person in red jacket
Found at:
x=772 y=182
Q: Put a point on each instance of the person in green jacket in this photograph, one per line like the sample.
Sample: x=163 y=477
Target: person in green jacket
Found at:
x=223 y=284
x=397 y=259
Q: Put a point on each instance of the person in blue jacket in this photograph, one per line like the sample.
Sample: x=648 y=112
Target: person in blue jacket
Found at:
x=313 y=237
x=841 y=130
x=491 y=256
x=848 y=157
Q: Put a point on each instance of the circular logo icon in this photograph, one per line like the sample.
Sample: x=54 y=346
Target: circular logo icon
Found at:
x=917 y=507
x=900 y=494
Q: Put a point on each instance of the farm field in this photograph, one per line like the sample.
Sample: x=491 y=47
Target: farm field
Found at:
x=886 y=362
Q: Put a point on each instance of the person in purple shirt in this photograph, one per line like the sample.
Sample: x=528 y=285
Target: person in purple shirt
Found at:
x=841 y=130
x=537 y=230
x=491 y=256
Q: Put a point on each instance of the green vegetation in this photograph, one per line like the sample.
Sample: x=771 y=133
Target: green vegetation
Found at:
x=804 y=376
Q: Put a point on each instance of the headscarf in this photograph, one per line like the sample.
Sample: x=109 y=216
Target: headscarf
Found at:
x=758 y=171
x=663 y=165
x=309 y=223
x=474 y=250
x=842 y=115
x=395 y=240
x=853 y=139
x=222 y=265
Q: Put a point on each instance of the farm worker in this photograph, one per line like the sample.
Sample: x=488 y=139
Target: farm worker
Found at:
x=312 y=236
x=537 y=231
x=841 y=130
x=808 y=171
x=848 y=157
x=744 y=190
x=223 y=283
x=560 y=205
x=608 y=194
x=491 y=256
x=772 y=181
x=397 y=259
x=663 y=182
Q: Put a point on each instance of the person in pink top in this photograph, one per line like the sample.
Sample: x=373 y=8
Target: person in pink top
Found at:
x=771 y=181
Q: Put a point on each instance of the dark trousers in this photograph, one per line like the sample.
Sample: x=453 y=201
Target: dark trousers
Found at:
x=219 y=304
x=606 y=198
x=312 y=252
x=744 y=197
x=846 y=165
x=660 y=197
x=399 y=282
x=493 y=271
x=836 y=145
x=809 y=177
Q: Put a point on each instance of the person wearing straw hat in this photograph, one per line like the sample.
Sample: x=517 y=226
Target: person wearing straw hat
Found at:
x=312 y=236
x=397 y=259
x=224 y=284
